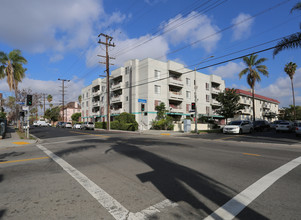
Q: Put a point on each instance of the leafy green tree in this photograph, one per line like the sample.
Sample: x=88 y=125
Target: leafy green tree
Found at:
x=230 y=105
x=292 y=41
x=289 y=113
x=253 y=70
x=161 y=111
x=80 y=99
x=53 y=114
x=76 y=116
x=290 y=70
x=49 y=99
x=2 y=115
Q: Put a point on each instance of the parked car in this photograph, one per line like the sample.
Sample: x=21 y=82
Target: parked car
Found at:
x=63 y=124
x=238 y=127
x=35 y=124
x=274 y=124
x=261 y=125
x=284 y=126
x=68 y=125
x=59 y=124
x=88 y=125
x=77 y=126
x=41 y=124
x=298 y=129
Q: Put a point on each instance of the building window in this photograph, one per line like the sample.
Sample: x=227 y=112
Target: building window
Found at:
x=83 y=104
x=126 y=70
x=87 y=104
x=157 y=103
x=83 y=96
x=101 y=98
x=87 y=113
x=187 y=107
x=207 y=110
x=207 y=98
x=127 y=98
x=188 y=94
x=103 y=88
x=157 y=89
x=87 y=95
x=157 y=74
x=207 y=86
x=188 y=82
x=126 y=84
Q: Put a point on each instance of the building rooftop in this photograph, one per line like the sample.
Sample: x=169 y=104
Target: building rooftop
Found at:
x=244 y=92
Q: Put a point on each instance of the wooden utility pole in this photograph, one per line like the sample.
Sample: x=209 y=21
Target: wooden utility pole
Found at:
x=63 y=96
x=108 y=44
x=44 y=104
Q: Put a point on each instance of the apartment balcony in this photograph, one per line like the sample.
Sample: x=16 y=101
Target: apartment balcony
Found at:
x=244 y=102
x=175 y=96
x=215 y=102
x=115 y=99
x=97 y=93
x=175 y=108
x=96 y=103
x=215 y=90
x=95 y=113
x=175 y=81
x=116 y=111
x=116 y=86
x=266 y=106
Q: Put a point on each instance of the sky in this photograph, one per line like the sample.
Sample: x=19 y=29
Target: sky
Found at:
x=59 y=39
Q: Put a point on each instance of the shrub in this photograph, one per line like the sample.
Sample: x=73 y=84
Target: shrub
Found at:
x=102 y=125
x=115 y=125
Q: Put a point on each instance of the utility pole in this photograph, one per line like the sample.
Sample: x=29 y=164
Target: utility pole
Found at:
x=44 y=104
x=63 y=95
x=107 y=44
x=195 y=103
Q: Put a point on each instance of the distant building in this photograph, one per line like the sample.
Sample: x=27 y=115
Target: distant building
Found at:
x=265 y=108
x=69 y=109
x=147 y=83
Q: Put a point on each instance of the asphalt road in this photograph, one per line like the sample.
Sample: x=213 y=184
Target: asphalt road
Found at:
x=110 y=175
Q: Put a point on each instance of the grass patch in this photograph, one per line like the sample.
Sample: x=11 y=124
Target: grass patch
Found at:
x=22 y=135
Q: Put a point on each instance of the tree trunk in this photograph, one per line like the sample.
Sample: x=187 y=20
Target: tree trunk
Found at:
x=253 y=96
x=293 y=99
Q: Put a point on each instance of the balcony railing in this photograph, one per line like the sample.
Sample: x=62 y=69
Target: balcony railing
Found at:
x=95 y=113
x=97 y=93
x=175 y=95
x=96 y=103
x=175 y=81
x=116 y=86
x=116 y=111
x=116 y=98
x=215 y=102
x=215 y=90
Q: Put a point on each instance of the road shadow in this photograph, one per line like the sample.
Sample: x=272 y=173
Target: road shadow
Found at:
x=174 y=180
x=73 y=150
x=1 y=178
x=11 y=154
x=2 y=212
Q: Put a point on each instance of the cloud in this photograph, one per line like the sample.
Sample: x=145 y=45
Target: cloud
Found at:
x=56 y=58
x=197 y=27
x=156 y=48
x=40 y=25
x=243 y=23
x=50 y=87
x=282 y=91
x=230 y=70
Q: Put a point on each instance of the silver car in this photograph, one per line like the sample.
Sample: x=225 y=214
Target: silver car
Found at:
x=88 y=125
x=284 y=126
x=298 y=129
x=238 y=127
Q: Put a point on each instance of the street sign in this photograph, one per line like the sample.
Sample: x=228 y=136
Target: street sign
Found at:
x=142 y=100
x=20 y=103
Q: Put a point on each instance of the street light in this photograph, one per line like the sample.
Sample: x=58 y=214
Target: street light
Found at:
x=195 y=96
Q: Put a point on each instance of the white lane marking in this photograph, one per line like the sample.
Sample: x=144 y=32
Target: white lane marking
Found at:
x=117 y=210
x=243 y=199
x=114 y=207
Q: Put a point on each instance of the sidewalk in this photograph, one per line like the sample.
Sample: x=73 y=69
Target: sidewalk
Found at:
x=12 y=139
x=151 y=132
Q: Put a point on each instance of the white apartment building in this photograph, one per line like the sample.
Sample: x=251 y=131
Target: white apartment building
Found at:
x=265 y=108
x=151 y=82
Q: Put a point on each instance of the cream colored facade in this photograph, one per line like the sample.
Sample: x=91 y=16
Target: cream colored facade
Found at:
x=264 y=107
x=152 y=81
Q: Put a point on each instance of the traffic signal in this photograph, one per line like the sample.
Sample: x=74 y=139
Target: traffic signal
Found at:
x=29 y=100
x=142 y=107
x=193 y=106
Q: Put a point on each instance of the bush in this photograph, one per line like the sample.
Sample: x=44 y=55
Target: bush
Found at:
x=115 y=125
x=163 y=124
x=102 y=125
x=125 y=121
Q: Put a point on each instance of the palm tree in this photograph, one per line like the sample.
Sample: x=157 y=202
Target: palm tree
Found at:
x=253 y=70
x=80 y=99
x=49 y=99
x=290 y=70
x=12 y=68
x=291 y=42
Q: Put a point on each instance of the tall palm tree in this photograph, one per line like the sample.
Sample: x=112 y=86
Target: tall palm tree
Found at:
x=80 y=99
x=12 y=68
x=253 y=70
x=290 y=69
x=49 y=99
x=291 y=42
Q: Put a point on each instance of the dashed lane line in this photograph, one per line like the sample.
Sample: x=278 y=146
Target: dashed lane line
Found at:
x=233 y=207
x=117 y=210
x=15 y=161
